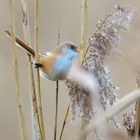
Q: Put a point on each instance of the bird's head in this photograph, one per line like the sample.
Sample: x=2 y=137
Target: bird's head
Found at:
x=68 y=49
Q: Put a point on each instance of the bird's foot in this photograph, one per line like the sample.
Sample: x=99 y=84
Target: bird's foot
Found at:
x=37 y=65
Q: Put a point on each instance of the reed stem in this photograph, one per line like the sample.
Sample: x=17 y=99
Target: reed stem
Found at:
x=83 y=50
x=26 y=32
x=16 y=74
x=56 y=110
x=83 y=28
x=64 y=122
x=57 y=85
x=37 y=77
x=83 y=41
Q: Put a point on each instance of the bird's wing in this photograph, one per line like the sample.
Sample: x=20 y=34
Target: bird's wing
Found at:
x=22 y=45
x=46 y=59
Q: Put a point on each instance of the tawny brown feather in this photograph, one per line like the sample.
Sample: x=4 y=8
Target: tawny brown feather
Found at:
x=22 y=44
x=46 y=61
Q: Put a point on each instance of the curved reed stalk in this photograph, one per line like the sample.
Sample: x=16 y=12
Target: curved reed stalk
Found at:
x=122 y=104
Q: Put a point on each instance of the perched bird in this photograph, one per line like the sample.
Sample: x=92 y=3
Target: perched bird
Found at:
x=54 y=65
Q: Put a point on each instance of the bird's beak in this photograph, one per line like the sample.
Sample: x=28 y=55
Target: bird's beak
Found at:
x=78 y=50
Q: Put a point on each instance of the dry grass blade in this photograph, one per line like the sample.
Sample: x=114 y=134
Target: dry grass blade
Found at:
x=117 y=108
x=14 y=57
x=64 y=122
x=26 y=32
x=37 y=77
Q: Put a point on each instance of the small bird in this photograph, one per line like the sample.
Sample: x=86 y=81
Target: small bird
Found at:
x=54 y=65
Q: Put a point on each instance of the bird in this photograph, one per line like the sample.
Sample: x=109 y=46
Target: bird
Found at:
x=55 y=64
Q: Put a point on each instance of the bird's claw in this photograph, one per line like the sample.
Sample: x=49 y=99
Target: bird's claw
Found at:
x=37 y=65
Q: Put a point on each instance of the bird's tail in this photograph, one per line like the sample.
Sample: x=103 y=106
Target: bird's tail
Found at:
x=21 y=44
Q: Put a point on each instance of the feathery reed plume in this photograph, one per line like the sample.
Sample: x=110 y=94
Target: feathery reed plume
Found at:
x=26 y=33
x=16 y=74
x=37 y=77
x=103 y=43
x=137 y=122
x=131 y=120
x=122 y=104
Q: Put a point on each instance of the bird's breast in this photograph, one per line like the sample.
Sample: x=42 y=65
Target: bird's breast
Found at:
x=61 y=64
x=55 y=67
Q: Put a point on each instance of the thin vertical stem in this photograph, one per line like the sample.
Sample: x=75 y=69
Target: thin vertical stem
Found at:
x=56 y=110
x=16 y=74
x=83 y=50
x=83 y=40
x=83 y=28
x=64 y=122
x=26 y=31
x=37 y=77
x=137 y=122
x=57 y=86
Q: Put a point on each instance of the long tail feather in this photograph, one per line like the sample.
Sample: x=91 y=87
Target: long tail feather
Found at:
x=23 y=45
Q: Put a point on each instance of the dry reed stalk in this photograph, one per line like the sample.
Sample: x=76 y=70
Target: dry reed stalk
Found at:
x=137 y=121
x=64 y=122
x=83 y=41
x=26 y=32
x=57 y=85
x=83 y=29
x=83 y=52
x=122 y=104
x=56 y=110
x=16 y=74
x=37 y=77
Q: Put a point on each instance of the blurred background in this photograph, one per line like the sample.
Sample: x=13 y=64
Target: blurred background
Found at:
x=123 y=71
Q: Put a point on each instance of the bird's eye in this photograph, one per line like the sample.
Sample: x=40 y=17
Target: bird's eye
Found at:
x=73 y=48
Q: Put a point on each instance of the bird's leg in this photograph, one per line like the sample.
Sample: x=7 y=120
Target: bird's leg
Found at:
x=37 y=65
